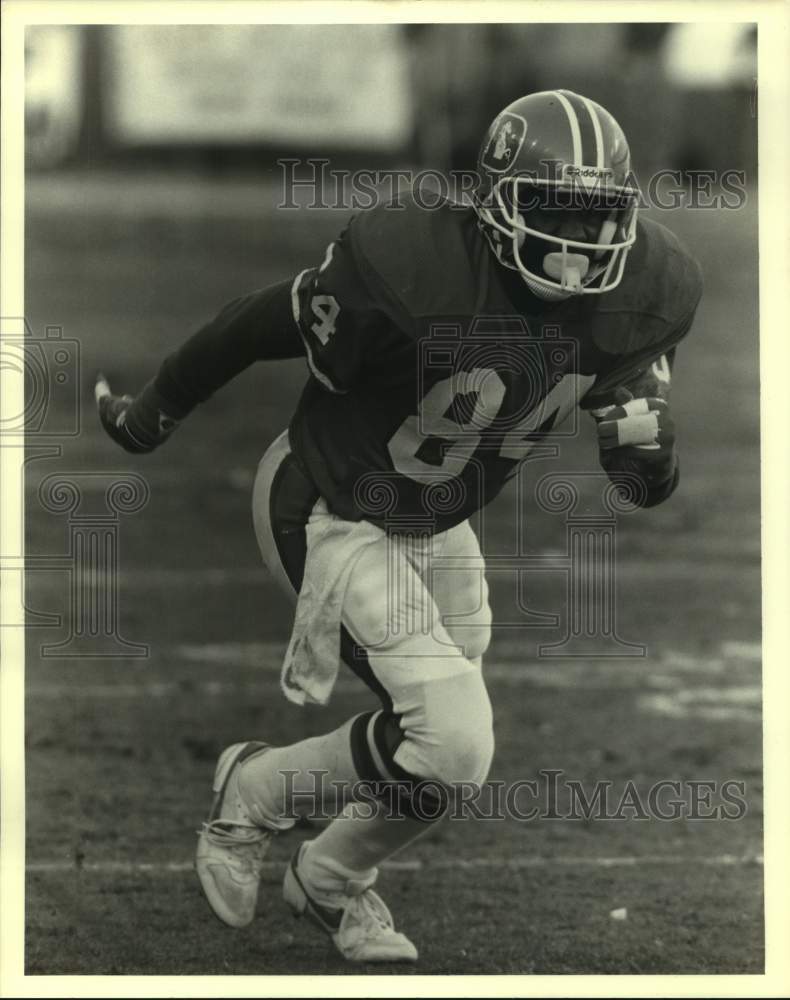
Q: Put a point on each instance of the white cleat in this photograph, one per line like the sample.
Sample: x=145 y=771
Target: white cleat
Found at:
x=360 y=926
x=231 y=847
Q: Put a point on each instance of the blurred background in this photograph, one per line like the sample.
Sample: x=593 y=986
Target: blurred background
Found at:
x=216 y=96
x=151 y=201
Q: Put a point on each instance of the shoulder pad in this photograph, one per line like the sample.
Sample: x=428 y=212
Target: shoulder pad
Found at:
x=415 y=259
x=658 y=295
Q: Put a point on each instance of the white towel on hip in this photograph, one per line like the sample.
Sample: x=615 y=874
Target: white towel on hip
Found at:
x=312 y=660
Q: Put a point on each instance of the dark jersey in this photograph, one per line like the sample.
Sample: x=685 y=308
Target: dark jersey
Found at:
x=435 y=372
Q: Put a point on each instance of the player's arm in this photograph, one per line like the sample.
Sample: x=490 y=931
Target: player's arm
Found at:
x=257 y=327
x=636 y=435
x=327 y=314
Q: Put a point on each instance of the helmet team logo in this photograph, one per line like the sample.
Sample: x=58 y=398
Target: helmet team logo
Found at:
x=504 y=143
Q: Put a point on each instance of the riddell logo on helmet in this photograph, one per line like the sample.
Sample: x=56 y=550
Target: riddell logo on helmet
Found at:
x=587 y=175
x=504 y=145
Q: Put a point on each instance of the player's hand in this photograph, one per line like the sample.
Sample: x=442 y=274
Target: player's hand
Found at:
x=137 y=423
x=641 y=428
x=636 y=437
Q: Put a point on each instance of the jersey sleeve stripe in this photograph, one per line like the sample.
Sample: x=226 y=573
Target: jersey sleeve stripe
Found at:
x=295 y=295
x=324 y=379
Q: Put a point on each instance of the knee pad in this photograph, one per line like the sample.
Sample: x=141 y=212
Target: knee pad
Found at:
x=444 y=739
x=449 y=736
x=440 y=710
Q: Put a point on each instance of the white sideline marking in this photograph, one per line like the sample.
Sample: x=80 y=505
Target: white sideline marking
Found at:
x=253 y=654
x=202 y=577
x=215 y=689
x=450 y=864
x=743 y=650
x=736 y=703
x=670 y=684
x=508 y=660
x=671 y=701
x=664 y=684
x=180 y=579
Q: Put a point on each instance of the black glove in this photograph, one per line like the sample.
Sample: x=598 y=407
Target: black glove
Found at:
x=137 y=423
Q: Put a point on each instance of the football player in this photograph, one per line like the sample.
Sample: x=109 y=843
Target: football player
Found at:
x=430 y=380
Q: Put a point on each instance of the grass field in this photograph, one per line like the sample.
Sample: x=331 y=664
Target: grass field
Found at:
x=120 y=752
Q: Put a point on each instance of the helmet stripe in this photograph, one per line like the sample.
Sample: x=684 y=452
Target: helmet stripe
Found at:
x=589 y=150
x=573 y=122
x=599 y=159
